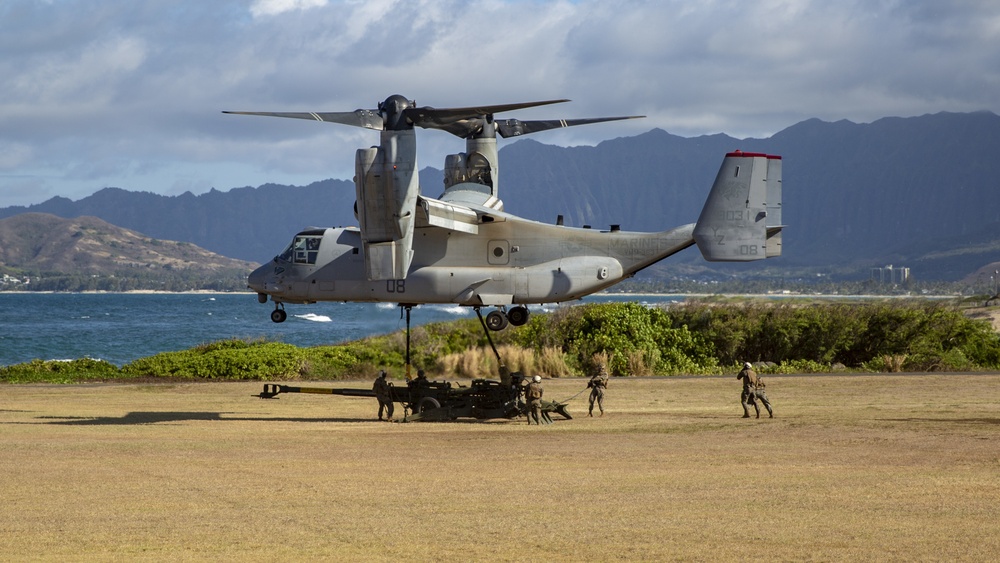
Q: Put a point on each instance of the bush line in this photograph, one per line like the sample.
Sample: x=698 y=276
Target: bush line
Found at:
x=696 y=337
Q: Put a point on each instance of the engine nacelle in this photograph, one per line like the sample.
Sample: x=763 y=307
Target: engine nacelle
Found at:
x=386 y=188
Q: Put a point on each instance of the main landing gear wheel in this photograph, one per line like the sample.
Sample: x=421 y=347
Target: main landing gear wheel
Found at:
x=517 y=315
x=496 y=320
x=278 y=315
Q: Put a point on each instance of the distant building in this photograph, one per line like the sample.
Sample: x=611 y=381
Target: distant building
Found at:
x=889 y=274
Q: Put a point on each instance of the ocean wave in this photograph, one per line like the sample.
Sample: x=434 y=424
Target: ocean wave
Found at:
x=454 y=309
x=315 y=318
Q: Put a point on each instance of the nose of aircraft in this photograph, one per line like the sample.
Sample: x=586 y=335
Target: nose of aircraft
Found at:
x=256 y=279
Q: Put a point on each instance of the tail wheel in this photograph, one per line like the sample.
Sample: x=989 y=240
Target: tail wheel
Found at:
x=496 y=320
x=518 y=316
x=279 y=315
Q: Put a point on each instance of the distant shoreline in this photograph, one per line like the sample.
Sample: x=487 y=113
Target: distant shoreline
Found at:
x=135 y=292
x=598 y=294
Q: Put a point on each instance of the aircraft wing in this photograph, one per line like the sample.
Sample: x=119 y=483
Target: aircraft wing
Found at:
x=446 y=215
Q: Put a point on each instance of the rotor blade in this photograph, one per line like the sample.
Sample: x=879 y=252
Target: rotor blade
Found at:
x=435 y=118
x=463 y=128
x=366 y=118
x=515 y=127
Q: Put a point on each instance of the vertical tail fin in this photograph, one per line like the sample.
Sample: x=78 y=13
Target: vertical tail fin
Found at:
x=773 y=222
x=741 y=220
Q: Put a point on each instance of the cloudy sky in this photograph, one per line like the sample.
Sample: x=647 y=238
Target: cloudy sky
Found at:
x=129 y=94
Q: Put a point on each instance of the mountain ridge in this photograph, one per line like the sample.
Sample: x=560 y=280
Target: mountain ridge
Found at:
x=44 y=246
x=896 y=190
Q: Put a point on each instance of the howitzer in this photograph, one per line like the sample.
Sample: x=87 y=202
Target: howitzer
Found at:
x=441 y=400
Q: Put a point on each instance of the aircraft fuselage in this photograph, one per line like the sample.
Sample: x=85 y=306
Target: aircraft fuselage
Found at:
x=509 y=260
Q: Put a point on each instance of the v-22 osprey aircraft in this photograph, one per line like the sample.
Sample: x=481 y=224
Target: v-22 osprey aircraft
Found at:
x=462 y=248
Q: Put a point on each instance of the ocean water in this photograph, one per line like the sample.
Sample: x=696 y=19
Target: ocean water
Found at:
x=120 y=328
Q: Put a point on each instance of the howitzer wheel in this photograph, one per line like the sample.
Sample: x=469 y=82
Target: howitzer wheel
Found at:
x=427 y=403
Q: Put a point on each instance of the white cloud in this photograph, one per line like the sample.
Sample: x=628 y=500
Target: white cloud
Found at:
x=274 y=7
x=13 y=155
x=117 y=92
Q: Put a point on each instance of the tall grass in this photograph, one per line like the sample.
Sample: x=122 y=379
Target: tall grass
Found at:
x=481 y=362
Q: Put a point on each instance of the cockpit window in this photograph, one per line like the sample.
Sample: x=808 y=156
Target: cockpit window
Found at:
x=303 y=250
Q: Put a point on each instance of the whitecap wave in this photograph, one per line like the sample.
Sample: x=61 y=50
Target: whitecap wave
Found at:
x=455 y=309
x=315 y=318
x=386 y=305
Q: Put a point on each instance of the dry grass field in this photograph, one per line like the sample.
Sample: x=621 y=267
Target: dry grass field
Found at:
x=852 y=468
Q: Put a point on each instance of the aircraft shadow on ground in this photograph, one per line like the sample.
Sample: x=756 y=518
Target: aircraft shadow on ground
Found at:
x=136 y=418
x=992 y=421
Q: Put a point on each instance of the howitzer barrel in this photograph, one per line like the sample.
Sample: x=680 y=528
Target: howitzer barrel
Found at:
x=271 y=390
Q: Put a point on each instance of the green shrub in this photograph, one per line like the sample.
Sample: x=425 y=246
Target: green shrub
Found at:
x=357 y=359
x=797 y=366
x=635 y=339
x=929 y=336
x=58 y=371
x=694 y=337
x=231 y=360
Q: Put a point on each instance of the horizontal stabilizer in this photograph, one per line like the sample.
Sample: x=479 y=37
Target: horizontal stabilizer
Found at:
x=741 y=220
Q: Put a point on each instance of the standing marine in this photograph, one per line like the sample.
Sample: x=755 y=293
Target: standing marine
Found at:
x=598 y=384
x=384 y=396
x=753 y=389
x=533 y=395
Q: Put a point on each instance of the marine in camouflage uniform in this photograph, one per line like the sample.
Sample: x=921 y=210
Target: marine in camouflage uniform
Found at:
x=598 y=383
x=384 y=396
x=753 y=388
x=533 y=396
